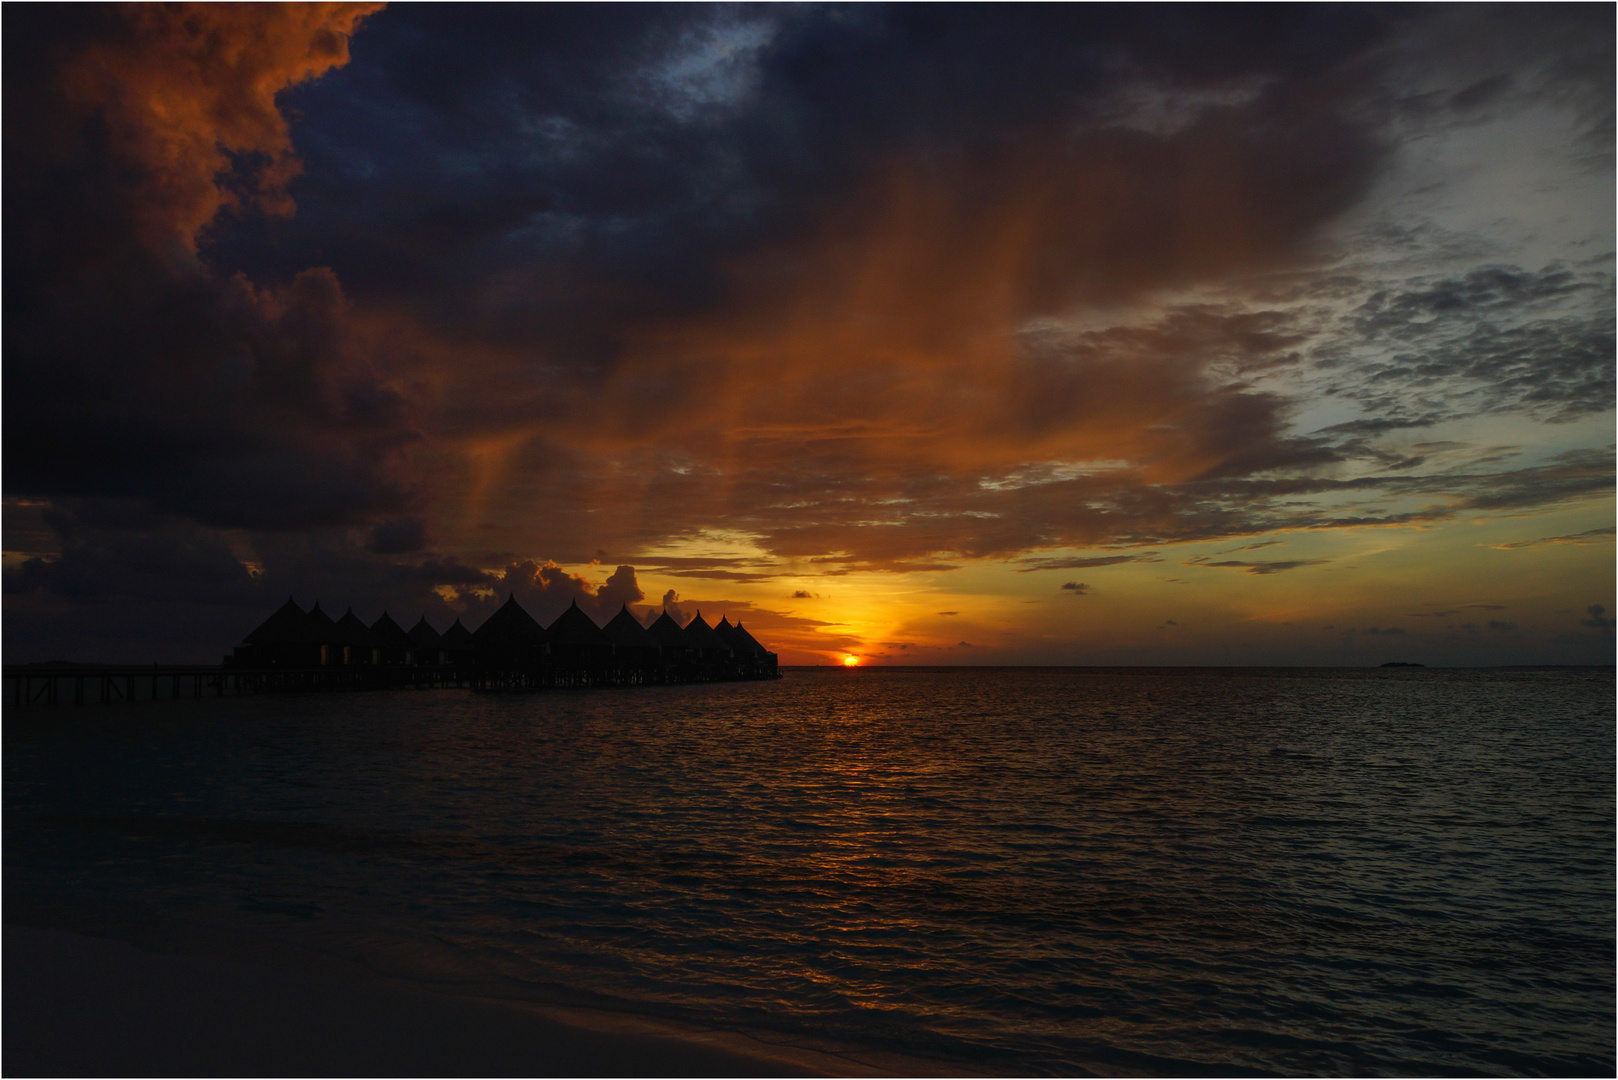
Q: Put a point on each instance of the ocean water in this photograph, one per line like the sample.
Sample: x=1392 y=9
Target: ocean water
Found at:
x=1034 y=871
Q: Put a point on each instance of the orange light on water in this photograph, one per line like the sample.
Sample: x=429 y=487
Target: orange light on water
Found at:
x=851 y=661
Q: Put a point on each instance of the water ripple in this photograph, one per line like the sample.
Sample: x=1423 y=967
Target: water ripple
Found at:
x=1180 y=871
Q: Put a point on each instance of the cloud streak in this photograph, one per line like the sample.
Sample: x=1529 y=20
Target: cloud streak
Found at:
x=476 y=298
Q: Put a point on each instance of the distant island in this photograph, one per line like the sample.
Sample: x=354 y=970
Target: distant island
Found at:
x=1402 y=663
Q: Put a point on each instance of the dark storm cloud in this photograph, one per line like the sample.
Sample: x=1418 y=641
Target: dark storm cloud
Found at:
x=125 y=550
x=398 y=537
x=535 y=177
x=546 y=590
x=1503 y=57
x=127 y=584
x=530 y=148
x=599 y=168
x=131 y=369
x=557 y=280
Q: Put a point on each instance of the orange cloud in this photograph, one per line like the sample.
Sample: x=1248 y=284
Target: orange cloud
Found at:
x=188 y=97
x=881 y=384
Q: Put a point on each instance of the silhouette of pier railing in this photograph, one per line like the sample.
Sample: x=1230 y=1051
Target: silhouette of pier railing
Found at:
x=81 y=684
x=84 y=684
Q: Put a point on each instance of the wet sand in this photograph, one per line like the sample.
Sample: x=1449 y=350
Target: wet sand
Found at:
x=77 y=1005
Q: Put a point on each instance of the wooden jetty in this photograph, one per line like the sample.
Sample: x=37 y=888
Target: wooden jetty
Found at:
x=82 y=684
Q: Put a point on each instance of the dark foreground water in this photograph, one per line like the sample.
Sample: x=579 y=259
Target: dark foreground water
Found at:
x=1344 y=871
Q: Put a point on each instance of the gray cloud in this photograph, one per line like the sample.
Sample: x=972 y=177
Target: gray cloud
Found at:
x=1259 y=567
x=1084 y=564
x=398 y=536
x=1497 y=338
x=1589 y=536
x=1597 y=619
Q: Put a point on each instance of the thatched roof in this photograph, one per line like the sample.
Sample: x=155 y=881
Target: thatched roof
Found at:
x=321 y=628
x=509 y=627
x=354 y=633
x=738 y=639
x=423 y=636
x=624 y=629
x=667 y=633
x=456 y=637
x=749 y=643
x=699 y=635
x=390 y=634
x=574 y=627
x=288 y=626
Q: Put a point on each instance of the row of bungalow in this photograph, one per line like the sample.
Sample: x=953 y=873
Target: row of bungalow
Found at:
x=511 y=649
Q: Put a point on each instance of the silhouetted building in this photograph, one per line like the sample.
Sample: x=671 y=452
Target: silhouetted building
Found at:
x=510 y=638
x=633 y=646
x=751 y=658
x=359 y=645
x=701 y=637
x=726 y=632
x=458 y=645
x=324 y=632
x=576 y=641
x=427 y=643
x=510 y=651
x=286 y=639
x=395 y=645
x=750 y=644
x=670 y=638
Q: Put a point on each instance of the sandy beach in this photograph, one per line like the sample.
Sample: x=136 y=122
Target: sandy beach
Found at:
x=83 y=1006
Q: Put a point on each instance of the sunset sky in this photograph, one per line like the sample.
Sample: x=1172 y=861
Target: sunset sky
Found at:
x=922 y=335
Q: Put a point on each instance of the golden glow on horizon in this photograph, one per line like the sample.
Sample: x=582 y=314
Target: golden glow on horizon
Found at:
x=1319 y=596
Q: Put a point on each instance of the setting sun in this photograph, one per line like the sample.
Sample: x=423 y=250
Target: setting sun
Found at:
x=851 y=661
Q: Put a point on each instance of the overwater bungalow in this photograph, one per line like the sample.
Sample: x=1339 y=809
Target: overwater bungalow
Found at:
x=285 y=639
x=395 y=645
x=359 y=645
x=458 y=644
x=750 y=643
x=709 y=649
x=323 y=630
x=633 y=646
x=669 y=637
x=427 y=644
x=576 y=641
x=509 y=639
x=510 y=650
